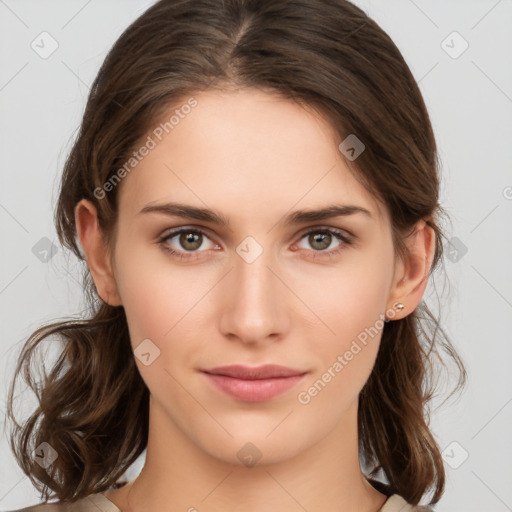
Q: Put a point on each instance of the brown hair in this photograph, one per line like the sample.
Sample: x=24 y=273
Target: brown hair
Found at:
x=327 y=54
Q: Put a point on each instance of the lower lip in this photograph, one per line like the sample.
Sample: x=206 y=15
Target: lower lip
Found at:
x=257 y=390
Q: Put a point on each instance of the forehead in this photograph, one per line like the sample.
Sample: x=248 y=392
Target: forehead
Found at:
x=243 y=149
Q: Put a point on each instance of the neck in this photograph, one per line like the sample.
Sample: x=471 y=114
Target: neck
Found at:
x=178 y=475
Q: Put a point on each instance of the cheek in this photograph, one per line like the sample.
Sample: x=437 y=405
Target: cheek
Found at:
x=156 y=310
x=155 y=295
x=143 y=302
x=350 y=298
x=162 y=304
x=344 y=360
x=351 y=306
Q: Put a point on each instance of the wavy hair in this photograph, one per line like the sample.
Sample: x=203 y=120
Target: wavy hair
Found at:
x=93 y=406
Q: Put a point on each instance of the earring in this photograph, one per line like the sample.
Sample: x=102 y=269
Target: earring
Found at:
x=398 y=306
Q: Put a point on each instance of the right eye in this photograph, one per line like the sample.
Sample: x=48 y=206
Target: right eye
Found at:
x=188 y=240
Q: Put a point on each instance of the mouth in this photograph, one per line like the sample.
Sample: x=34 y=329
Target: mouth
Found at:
x=254 y=384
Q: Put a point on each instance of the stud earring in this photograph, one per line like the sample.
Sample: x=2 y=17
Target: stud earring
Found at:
x=399 y=306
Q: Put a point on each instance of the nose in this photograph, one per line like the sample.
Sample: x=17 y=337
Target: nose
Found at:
x=254 y=302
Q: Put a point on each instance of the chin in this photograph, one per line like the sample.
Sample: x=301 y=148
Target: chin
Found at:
x=252 y=447
x=249 y=454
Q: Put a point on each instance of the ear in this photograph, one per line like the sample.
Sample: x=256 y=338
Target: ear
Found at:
x=412 y=272
x=96 y=252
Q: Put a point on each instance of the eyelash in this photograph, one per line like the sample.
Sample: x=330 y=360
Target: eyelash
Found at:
x=190 y=255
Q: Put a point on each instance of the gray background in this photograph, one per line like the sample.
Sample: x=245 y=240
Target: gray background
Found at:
x=469 y=96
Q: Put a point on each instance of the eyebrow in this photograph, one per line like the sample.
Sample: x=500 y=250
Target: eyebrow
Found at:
x=297 y=217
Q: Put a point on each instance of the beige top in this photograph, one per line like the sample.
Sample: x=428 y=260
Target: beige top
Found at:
x=100 y=503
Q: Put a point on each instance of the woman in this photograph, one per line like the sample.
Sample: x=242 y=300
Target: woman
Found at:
x=254 y=190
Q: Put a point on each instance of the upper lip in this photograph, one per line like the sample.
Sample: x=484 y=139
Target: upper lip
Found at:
x=266 y=371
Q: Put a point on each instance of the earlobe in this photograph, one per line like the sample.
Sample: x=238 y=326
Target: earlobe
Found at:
x=410 y=283
x=96 y=252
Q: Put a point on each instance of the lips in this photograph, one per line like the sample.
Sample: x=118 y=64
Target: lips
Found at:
x=267 y=371
x=254 y=384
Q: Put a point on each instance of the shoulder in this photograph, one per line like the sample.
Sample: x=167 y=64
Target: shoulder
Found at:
x=92 y=503
x=396 y=503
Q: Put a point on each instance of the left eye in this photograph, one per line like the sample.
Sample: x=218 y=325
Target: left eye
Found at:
x=321 y=239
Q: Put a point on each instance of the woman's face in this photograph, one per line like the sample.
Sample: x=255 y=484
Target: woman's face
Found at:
x=268 y=287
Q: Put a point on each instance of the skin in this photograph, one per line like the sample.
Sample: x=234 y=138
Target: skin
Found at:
x=255 y=158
